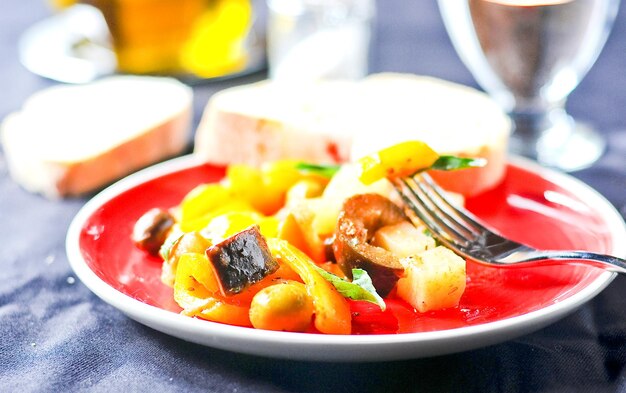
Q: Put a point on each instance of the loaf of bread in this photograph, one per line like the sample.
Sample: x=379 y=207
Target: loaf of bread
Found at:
x=70 y=140
x=339 y=121
x=268 y=121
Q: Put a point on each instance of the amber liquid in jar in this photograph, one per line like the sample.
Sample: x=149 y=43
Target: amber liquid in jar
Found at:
x=205 y=38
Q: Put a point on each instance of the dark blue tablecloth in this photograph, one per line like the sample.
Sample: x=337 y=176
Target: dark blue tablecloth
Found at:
x=55 y=335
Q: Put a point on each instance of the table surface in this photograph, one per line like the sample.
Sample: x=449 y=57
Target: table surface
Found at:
x=55 y=335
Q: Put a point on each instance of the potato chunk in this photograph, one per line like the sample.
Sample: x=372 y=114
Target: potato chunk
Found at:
x=433 y=279
x=403 y=239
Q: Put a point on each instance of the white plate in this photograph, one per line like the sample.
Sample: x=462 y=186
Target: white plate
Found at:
x=304 y=346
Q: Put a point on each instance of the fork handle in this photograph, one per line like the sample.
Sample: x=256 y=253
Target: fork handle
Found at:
x=539 y=257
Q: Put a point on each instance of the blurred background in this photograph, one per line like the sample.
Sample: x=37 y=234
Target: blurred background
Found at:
x=407 y=36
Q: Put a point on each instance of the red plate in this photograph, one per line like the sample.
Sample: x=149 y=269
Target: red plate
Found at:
x=532 y=205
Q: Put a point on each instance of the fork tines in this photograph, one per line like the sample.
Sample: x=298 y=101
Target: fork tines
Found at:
x=434 y=208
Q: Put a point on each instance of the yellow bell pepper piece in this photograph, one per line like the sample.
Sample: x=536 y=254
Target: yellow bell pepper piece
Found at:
x=399 y=160
x=290 y=230
x=201 y=222
x=196 y=288
x=217 y=311
x=230 y=223
x=197 y=267
x=298 y=229
x=279 y=176
x=332 y=312
x=203 y=199
x=243 y=180
x=264 y=188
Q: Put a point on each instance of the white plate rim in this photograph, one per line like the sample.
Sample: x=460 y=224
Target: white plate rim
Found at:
x=313 y=347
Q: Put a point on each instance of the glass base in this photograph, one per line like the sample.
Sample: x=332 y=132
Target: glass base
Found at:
x=556 y=141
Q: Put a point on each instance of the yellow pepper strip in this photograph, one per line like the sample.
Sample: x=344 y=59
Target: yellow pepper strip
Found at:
x=303 y=238
x=202 y=200
x=200 y=269
x=302 y=218
x=230 y=223
x=269 y=226
x=243 y=180
x=264 y=188
x=279 y=176
x=290 y=231
x=190 y=242
x=199 y=223
x=195 y=287
x=399 y=160
x=332 y=312
x=217 y=311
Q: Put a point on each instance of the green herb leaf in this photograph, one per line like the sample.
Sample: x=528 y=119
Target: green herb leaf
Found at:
x=448 y=163
x=320 y=169
x=361 y=287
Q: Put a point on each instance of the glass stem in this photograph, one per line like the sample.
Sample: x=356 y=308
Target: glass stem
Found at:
x=528 y=128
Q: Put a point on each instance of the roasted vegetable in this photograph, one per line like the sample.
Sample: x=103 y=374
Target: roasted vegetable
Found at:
x=433 y=279
x=241 y=260
x=198 y=206
x=291 y=246
x=195 y=290
x=151 y=230
x=360 y=288
x=403 y=239
x=332 y=312
x=285 y=306
x=191 y=242
x=362 y=215
x=403 y=159
x=408 y=158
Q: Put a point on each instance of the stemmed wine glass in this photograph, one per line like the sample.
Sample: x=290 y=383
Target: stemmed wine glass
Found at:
x=529 y=55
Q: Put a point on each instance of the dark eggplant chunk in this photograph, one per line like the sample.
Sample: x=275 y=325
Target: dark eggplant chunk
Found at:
x=151 y=230
x=361 y=216
x=241 y=260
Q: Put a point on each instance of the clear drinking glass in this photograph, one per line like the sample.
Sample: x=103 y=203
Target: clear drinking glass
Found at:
x=319 y=39
x=529 y=55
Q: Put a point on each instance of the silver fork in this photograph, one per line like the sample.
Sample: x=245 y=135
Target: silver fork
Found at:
x=462 y=232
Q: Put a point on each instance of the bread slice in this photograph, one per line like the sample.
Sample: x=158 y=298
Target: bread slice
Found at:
x=70 y=140
x=268 y=121
x=338 y=121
